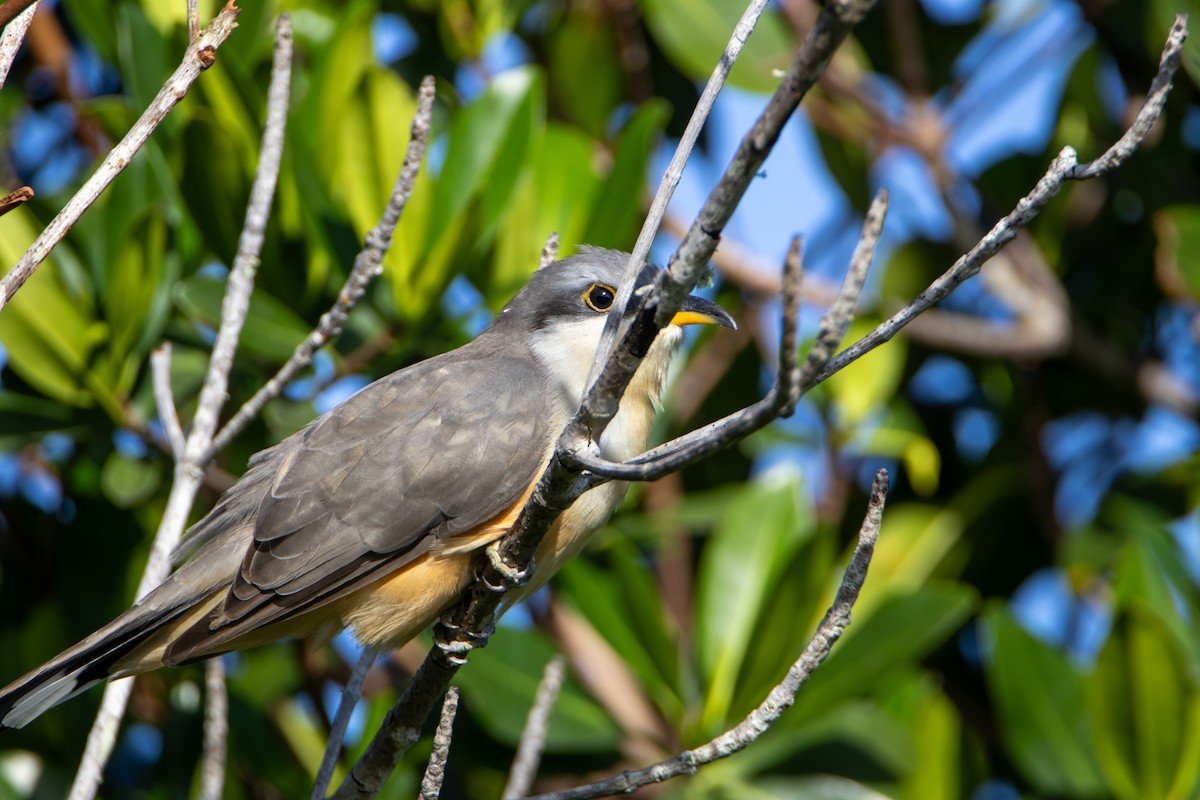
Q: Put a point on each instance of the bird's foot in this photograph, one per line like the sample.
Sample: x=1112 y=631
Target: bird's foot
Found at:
x=456 y=642
x=510 y=577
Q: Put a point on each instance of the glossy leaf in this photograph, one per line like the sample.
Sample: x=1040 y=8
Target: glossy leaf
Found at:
x=905 y=627
x=500 y=686
x=1039 y=696
x=754 y=542
x=694 y=35
x=272 y=330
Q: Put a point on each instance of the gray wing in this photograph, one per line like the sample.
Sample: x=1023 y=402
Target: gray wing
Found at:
x=425 y=453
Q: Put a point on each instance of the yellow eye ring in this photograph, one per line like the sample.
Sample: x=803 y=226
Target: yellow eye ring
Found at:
x=599 y=297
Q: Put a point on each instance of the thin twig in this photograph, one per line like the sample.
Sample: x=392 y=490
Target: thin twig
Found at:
x=431 y=783
x=1064 y=167
x=838 y=316
x=367 y=265
x=11 y=9
x=15 y=198
x=783 y=696
x=341 y=721
x=188 y=472
x=216 y=732
x=549 y=251
x=160 y=370
x=198 y=57
x=533 y=738
x=670 y=179
x=10 y=40
x=193 y=19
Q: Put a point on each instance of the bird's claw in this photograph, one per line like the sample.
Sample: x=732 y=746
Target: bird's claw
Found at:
x=510 y=577
x=457 y=643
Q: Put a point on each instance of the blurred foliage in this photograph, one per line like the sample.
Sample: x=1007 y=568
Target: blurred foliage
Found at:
x=1029 y=624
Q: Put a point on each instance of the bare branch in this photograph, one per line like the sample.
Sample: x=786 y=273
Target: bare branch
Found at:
x=11 y=9
x=216 y=732
x=367 y=265
x=672 y=286
x=193 y=19
x=188 y=472
x=198 y=57
x=10 y=40
x=245 y=264
x=549 y=251
x=533 y=738
x=401 y=728
x=160 y=367
x=14 y=199
x=783 y=696
x=1150 y=111
x=666 y=188
x=333 y=748
x=1064 y=167
x=431 y=783
x=838 y=315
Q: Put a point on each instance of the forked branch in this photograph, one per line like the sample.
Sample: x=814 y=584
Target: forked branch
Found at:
x=783 y=696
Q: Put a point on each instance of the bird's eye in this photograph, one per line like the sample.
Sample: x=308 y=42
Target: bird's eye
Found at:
x=599 y=297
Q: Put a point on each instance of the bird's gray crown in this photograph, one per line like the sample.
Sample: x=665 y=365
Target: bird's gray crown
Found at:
x=557 y=292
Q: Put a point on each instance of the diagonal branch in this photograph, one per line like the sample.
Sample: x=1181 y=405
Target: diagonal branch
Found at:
x=199 y=56
x=367 y=265
x=1064 y=167
x=341 y=721
x=431 y=782
x=533 y=738
x=791 y=380
x=783 y=696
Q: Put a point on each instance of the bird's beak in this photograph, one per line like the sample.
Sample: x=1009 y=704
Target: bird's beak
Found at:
x=698 y=311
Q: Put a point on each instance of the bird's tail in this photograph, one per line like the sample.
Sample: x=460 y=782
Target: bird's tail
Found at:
x=130 y=644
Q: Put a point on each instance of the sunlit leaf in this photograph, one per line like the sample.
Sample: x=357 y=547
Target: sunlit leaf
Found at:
x=500 y=686
x=754 y=542
x=694 y=34
x=1039 y=696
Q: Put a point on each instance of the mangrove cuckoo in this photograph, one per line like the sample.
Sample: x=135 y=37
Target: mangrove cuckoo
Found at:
x=369 y=517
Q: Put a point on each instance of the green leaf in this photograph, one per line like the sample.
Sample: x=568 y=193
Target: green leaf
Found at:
x=48 y=333
x=905 y=627
x=1144 y=711
x=616 y=212
x=585 y=44
x=480 y=146
x=624 y=606
x=693 y=33
x=755 y=540
x=1151 y=577
x=272 y=330
x=868 y=383
x=1178 y=253
x=914 y=541
x=129 y=482
x=500 y=686
x=142 y=53
x=1039 y=697
x=555 y=195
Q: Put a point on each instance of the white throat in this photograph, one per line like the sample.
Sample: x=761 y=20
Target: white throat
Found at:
x=566 y=351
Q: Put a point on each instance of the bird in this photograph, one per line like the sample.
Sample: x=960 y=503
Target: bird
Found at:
x=368 y=518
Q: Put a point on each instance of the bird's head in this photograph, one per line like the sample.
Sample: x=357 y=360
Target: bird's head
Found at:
x=564 y=307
